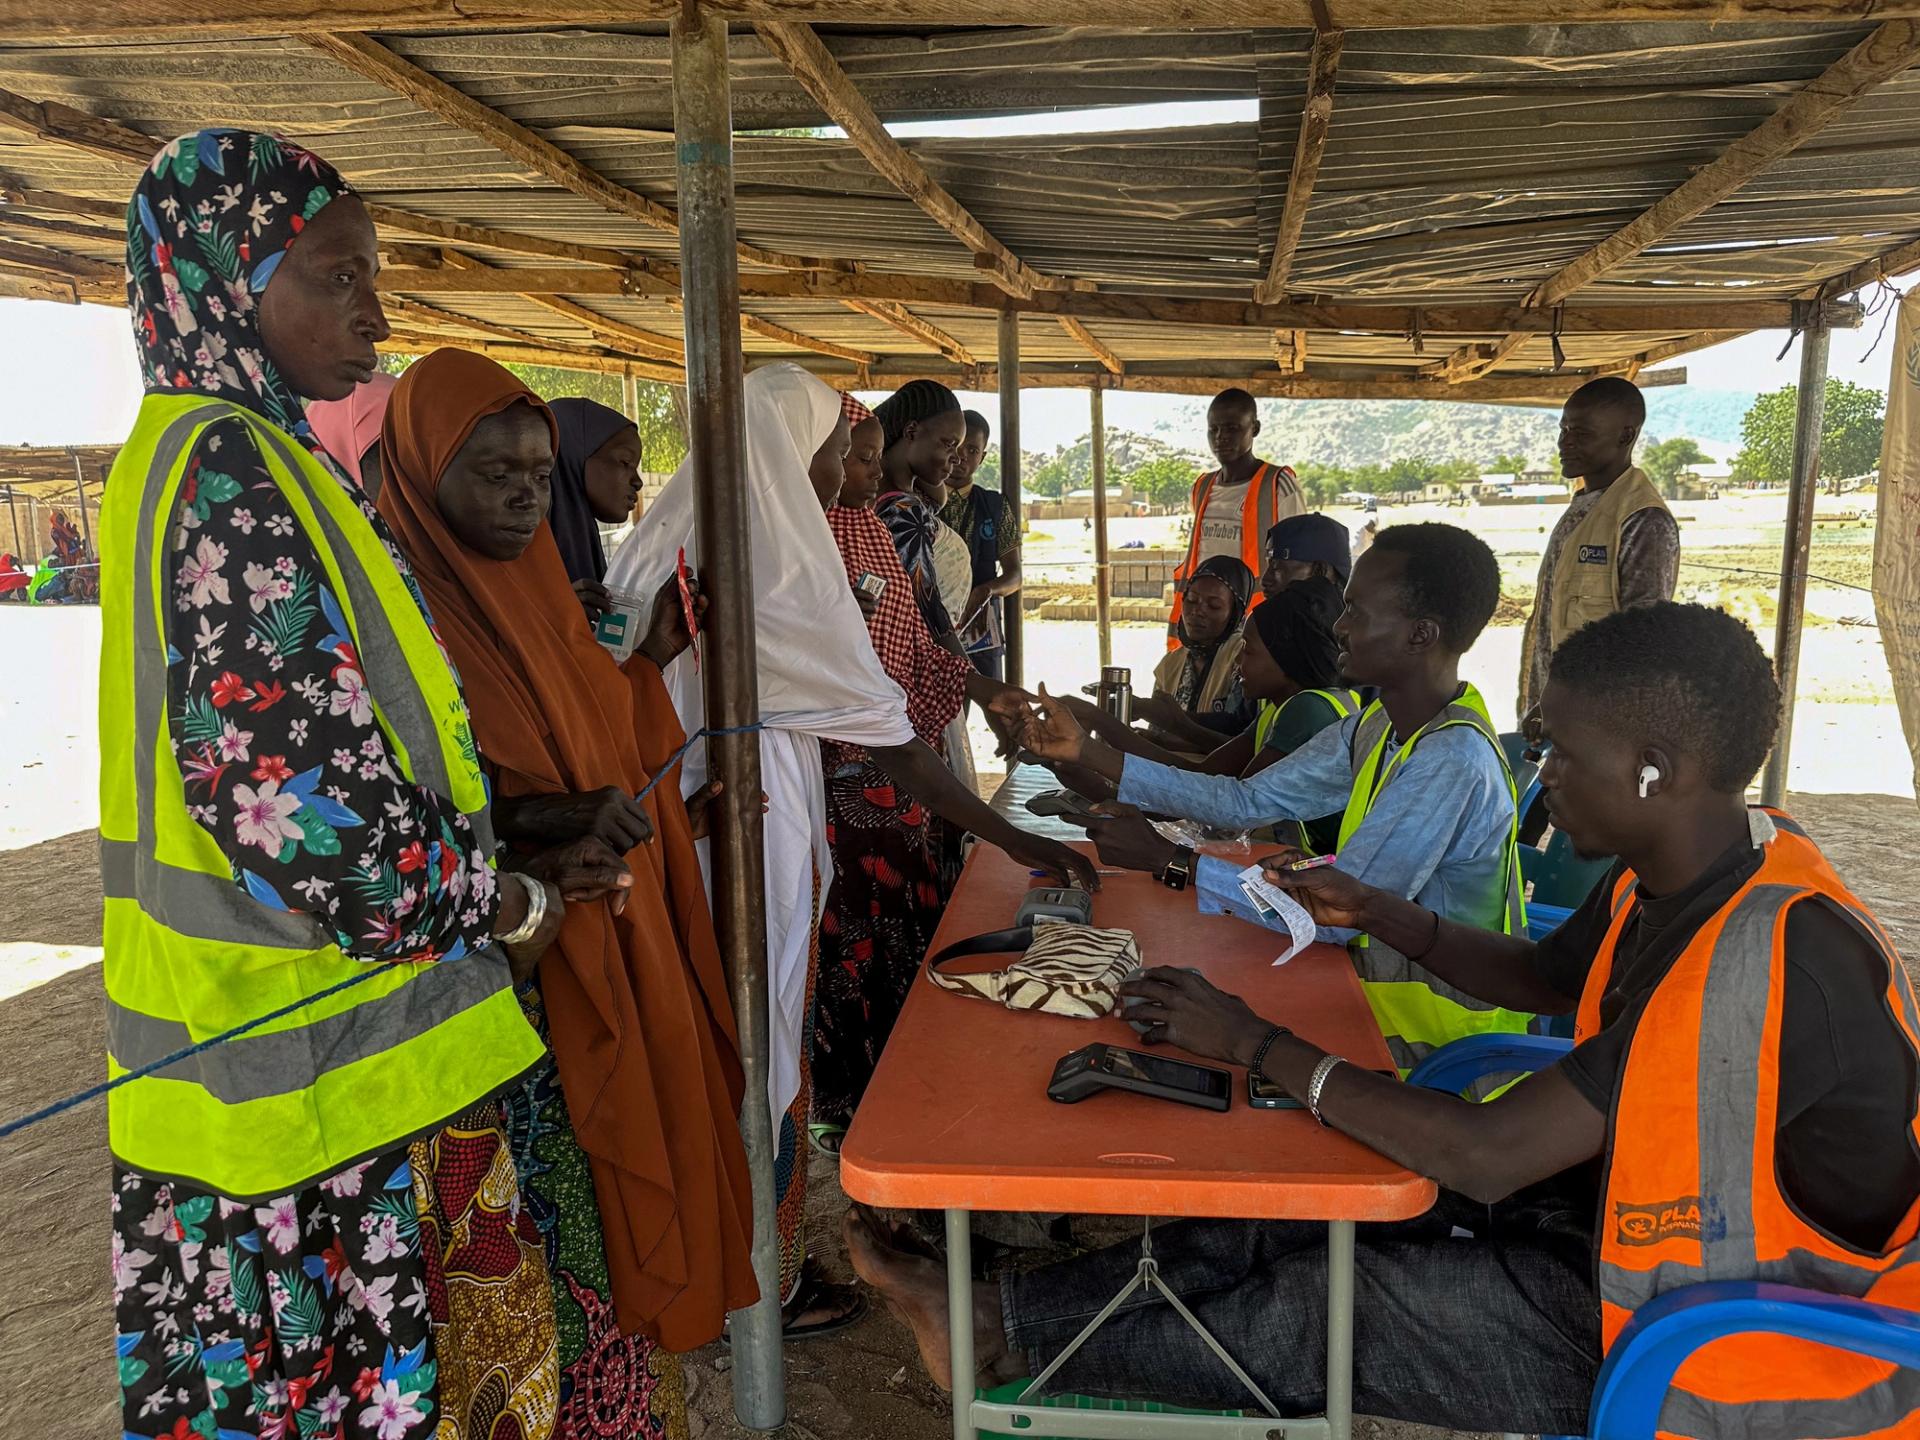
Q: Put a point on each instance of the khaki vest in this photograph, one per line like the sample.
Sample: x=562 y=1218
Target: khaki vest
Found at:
x=1586 y=578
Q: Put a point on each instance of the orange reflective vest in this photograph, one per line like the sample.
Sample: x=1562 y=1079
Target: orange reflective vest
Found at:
x=1273 y=496
x=1691 y=1189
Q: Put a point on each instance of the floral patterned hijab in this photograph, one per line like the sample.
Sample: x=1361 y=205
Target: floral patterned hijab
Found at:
x=209 y=223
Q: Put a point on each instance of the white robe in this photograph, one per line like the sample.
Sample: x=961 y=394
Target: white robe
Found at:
x=819 y=677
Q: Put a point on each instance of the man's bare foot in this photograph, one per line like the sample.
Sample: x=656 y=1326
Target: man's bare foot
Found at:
x=914 y=1288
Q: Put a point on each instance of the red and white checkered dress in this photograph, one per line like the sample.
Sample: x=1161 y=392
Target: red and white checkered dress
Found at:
x=934 y=678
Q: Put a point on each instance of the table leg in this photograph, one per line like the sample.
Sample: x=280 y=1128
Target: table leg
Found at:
x=1339 y=1330
x=960 y=1319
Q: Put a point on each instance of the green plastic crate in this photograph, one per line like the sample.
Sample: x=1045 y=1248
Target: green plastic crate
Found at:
x=1010 y=1395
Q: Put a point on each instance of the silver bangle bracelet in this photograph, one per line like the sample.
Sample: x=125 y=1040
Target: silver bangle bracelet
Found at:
x=1328 y=1064
x=530 y=923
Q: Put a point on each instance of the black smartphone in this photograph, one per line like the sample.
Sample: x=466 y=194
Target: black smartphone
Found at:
x=1263 y=1094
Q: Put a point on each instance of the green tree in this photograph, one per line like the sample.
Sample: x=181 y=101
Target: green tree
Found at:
x=1512 y=463
x=1665 y=461
x=1165 y=479
x=663 y=437
x=1851 y=425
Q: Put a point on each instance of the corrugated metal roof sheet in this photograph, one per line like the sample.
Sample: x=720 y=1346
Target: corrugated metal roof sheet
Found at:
x=1462 y=166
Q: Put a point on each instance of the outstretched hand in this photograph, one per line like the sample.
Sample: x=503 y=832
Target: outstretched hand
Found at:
x=1332 y=897
x=1051 y=731
x=667 y=633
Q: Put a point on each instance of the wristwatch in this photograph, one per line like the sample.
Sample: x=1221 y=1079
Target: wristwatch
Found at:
x=1177 y=873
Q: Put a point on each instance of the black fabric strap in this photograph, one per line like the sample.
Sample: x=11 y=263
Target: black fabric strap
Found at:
x=994 y=942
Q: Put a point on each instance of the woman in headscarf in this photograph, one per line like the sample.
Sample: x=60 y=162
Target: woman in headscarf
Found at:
x=349 y=430
x=922 y=428
x=819 y=679
x=649 y=1230
x=317 y=1228
x=887 y=895
x=596 y=481
x=1196 y=697
x=1289 y=669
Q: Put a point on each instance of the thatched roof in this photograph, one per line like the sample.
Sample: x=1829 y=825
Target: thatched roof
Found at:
x=1406 y=212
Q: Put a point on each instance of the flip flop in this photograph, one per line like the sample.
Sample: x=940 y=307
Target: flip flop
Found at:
x=827 y=1138
x=815 y=1292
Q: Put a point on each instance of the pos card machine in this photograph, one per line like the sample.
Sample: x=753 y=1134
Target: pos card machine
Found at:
x=1071 y=905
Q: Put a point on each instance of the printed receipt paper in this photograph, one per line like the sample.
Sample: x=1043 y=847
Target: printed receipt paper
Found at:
x=1279 y=909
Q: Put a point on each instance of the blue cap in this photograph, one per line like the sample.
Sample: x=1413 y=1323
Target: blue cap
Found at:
x=1312 y=538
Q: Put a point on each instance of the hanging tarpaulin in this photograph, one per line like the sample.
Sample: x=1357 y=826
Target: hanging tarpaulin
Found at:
x=1896 y=546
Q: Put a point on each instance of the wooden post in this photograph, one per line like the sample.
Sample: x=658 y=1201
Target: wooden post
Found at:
x=1008 y=357
x=13 y=519
x=709 y=265
x=80 y=493
x=1793 y=550
x=1102 y=571
x=630 y=397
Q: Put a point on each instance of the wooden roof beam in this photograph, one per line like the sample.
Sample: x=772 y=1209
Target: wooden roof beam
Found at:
x=413 y=315
x=54 y=203
x=373 y=61
x=1542 y=390
x=41 y=21
x=1896 y=261
x=1890 y=49
x=801 y=51
x=1093 y=345
x=912 y=326
x=645 y=343
x=766 y=329
x=598 y=362
x=1290 y=351
x=1316 y=118
x=1597 y=318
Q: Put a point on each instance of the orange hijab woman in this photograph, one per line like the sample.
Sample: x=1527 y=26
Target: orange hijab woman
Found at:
x=633 y=990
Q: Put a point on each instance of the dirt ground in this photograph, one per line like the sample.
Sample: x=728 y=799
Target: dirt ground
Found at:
x=56 y=1326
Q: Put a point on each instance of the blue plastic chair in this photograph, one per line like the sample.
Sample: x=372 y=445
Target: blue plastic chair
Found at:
x=1561 y=882
x=1640 y=1367
x=1525 y=772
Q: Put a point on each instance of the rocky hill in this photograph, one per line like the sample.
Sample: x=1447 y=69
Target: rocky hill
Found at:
x=1350 y=433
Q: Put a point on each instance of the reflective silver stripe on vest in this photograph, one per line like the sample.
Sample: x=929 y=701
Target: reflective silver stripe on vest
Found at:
x=1262 y=511
x=389 y=677
x=149 y=643
x=1377 y=960
x=201 y=906
x=1733 y=1013
x=255 y=1067
x=213 y=907
x=1878 y=1407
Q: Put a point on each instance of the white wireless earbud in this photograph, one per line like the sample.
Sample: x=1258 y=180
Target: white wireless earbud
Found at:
x=1648 y=775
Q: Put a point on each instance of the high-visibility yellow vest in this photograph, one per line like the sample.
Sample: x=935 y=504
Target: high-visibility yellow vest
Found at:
x=1344 y=703
x=1417 y=1010
x=190 y=954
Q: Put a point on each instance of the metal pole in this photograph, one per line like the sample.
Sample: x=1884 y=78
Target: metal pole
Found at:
x=1793 y=551
x=80 y=490
x=703 y=130
x=960 y=1319
x=1102 y=571
x=1340 y=1247
x=1007 y=354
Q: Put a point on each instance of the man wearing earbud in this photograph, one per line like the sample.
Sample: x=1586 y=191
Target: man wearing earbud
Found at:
x=1740 y=1104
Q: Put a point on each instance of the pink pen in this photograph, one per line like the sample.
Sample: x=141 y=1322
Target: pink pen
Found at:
x=1313 y=862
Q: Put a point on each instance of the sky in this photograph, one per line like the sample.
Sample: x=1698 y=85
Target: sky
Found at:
x=67 y=377
x=67 y=373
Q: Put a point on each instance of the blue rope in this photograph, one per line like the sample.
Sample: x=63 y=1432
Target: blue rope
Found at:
x=373 y=968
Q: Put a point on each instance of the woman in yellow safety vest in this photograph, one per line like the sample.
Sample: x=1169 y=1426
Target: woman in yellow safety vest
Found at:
x=317 y=1225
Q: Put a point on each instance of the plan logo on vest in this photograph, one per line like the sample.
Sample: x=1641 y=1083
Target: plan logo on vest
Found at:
x=1687 y=1217
x=1593 y=554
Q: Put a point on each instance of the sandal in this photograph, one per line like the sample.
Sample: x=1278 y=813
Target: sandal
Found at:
x=827 y=1138
x=847 y=1305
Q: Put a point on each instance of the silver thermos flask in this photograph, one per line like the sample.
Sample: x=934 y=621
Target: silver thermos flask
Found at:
x=1116 y=692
